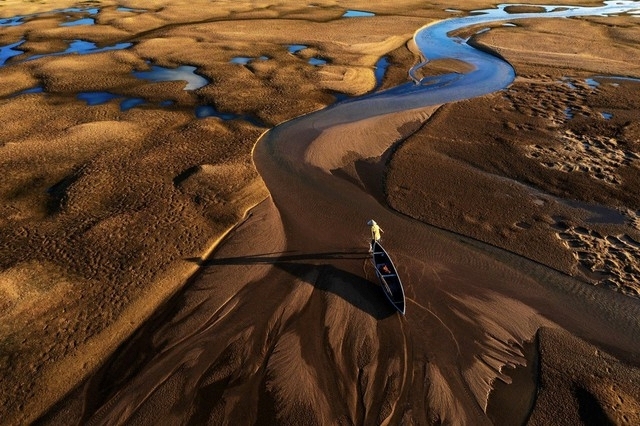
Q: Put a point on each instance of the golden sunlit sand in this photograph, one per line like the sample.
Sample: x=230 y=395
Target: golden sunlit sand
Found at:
x=153 y=266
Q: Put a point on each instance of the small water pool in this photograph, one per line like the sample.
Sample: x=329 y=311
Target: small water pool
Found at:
x=357 y=14
x=181 y=73
x=96 y=98
x=99 y=98
x=381 y=69
x=317 y=62
x=11 y=22
x=294 y=48
x=7 y=52
x=83 y=21
x=128 y=9
x=83 y=47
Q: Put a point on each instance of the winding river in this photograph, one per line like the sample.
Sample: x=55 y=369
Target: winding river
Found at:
x=298 y=318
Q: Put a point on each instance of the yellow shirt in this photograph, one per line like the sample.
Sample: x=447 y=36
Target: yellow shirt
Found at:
x=375 y=232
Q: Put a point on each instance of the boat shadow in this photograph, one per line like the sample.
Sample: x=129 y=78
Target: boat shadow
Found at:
x=313 y=269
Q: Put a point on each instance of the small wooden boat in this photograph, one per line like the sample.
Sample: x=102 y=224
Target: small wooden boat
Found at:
x=388 y=276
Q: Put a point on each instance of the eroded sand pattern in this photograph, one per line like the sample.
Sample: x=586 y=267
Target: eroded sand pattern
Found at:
x=163 y=262
x=613 y=257
x=596 y=156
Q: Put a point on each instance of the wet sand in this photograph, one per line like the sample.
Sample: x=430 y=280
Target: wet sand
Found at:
x=136 y=289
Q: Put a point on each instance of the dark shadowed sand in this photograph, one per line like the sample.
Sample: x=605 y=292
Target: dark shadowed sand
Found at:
x=162 y=268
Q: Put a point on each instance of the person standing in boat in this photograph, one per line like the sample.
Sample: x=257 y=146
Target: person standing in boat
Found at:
x=375 y=230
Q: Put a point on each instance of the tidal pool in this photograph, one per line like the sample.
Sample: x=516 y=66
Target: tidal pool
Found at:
x=182 y=73
x=317 y=62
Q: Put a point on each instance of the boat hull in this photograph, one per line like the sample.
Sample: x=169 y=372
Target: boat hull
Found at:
x=388 y=276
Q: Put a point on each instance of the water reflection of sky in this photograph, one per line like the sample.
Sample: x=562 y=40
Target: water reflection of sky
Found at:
x=19 y=19
x=182 y=73
x=128 y=9
x=381 y=69
x=8 y=51
x=83 y=21
x=11 y=22
x=83 y=47
x=99 y=98
x=294 y=48
x=244 y=60
x=357 y=14
x=96 y=98
x=317 y=61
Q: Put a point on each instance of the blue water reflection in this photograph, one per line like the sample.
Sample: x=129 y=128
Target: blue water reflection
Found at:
x=380 y=70
x=242 y=60
x=89 y=10
x=96 y=98
x=7 y=52
x=294 y=48
x=357 y=14
x=99 y=98
x=129 y=103
x=182 y=73
x=83 y=21
x=317 y=61
x=37 y=89
x=128 y=9
x=83 y=47
x=592 y=83
x=19 y=19
x=11 y=22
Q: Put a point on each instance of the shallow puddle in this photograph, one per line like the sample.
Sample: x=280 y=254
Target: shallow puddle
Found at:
x=96 y=98
x=380 y=70
x=83 y=21
x=83 y=47
x=241 y=60
x=182 y=73
x=11 y=22
x=294 y=48
x=357 y=14
x=8 y=51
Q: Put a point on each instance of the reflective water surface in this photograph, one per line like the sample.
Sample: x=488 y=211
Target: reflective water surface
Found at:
x=357 y=14
x=182 y=73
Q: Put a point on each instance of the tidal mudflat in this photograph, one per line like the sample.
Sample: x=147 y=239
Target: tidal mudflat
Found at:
x=158 y=248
